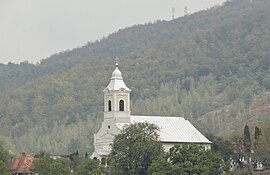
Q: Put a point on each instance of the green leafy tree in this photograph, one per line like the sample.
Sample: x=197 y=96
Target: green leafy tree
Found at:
x=90 y=167
x=161 y=166
x=134 y=149
x=193 y=159
x=3 y=168
x=221 y=146
x=48 y=166
x=187 y=160
x=4 y=158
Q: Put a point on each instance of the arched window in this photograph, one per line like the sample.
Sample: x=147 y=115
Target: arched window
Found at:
x=109 y=105
x=121 y=105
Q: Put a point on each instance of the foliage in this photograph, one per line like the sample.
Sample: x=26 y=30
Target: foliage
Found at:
x=134 y=149
x=262 y=150
x=223 y=147
x=76 y=160
x=257 y=134
x=4 y=159
x=48 y=166
x=238 y=142
x=90 y=167
x=247 y=140
x=187 y=159
x=160 y=166
x=243 y=171
x=208 y=67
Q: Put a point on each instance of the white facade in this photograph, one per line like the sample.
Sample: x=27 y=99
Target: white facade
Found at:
x=173 y=130
x=116 y=111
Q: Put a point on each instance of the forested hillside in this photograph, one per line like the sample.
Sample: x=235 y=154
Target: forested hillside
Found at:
x=211 y=67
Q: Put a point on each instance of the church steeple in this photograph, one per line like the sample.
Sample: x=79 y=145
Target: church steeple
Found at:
x=117 y=83
x=116 y=113
x=117 y=97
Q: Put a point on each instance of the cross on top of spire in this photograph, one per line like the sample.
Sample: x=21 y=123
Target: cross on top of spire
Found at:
x=116 y=62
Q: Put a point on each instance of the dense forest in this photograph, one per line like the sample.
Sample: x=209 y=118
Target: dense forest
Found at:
x=211 y=67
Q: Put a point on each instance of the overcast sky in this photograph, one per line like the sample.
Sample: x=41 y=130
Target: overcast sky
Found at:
x=35 y=29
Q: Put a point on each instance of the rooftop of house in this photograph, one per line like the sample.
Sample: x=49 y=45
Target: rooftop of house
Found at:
x=24 y=164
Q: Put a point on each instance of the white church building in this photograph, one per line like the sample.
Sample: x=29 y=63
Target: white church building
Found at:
x=173 y=130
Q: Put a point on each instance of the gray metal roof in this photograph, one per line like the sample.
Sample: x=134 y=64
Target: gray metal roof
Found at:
x=173 y=129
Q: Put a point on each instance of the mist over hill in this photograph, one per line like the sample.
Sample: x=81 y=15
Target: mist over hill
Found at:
x=211 y=67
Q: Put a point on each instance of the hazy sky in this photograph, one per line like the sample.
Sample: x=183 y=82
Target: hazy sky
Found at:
x=35 y=29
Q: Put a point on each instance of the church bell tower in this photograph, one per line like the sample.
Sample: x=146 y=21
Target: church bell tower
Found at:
x=117 y=98
x=116 y=114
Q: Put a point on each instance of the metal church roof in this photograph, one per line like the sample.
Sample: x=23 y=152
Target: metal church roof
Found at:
x=173 y=129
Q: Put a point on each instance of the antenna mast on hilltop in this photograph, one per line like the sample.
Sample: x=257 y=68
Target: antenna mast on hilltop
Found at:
x=186 y=11
x=173 y=10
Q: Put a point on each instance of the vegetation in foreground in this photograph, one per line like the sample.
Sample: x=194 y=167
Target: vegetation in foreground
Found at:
x=4 y=159
x=136 y=150
x=211 y=67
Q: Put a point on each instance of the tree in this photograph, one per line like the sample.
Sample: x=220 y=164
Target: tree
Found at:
x=187 y=84
x=3 y=168
x=75 y=160
x=223 y=147
x=90 y=167
x=238 y=142
x=257 y=134
x=73 y=145
x=187 y=159
x=161 y=166
x=262 y=150
x=193 y=159
x=4 y=158
x=247 y=140
x=134 y=149
x=48 y=166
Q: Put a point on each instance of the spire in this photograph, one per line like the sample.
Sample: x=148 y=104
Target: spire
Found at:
x=116 y=62
x=116 y=73
x=117 y=82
